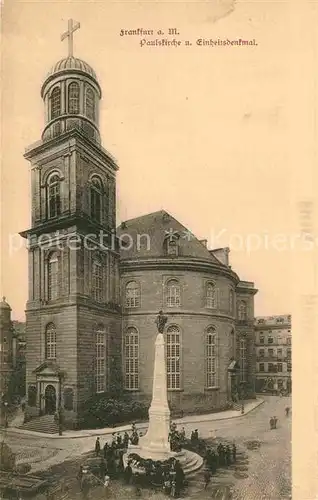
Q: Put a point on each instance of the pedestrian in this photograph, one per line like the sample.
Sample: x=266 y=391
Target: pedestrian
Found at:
x=80 y=475
x=182 y=435
x=207 y=478
x=128 y=473
x=275 y=422
x=228 y=455
x=287 y=411
x=126 y=440
x=234 y=452
x=271 y=423
x=97 y=446
x=107 y=485
x=106 y=450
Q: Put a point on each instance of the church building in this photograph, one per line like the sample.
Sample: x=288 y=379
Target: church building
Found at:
x=95 y=291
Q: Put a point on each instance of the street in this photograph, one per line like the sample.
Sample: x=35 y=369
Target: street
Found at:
x=268 y=474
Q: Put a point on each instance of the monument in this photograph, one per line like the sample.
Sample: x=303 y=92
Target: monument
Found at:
x=155 y=443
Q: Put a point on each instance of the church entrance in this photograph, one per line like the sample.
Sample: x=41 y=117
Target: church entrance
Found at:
x=50 y=400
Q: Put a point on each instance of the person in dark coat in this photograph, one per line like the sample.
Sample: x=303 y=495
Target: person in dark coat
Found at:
x=102 y=469
x=214 y=462
x=126 y=440
x=234 y=452
x=287 y=409
x=97 y=446
x=119 y=441
x=128 y=473
x=105 y=450
x=228 y=455
x=275 y=422
x=207 y=478
x=220 y=449
x=271 y=423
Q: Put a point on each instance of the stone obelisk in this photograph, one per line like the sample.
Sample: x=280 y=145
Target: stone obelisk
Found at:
x=156 y=442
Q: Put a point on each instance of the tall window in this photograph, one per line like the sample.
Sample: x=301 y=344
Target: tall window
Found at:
x=50 y=341
x=173 y=357
x=100 y=359
x=173 y=294
x=90 y=103
x=97 y=280
x=211 y=296
x=231 y=301
x=55 y=103
x=52 y=276
x=132 y=359
x=242 y=310
x=243 y=360
x=96 y=198
x=73 y=98
x=211 y=359
x=132 y=294
x=53 y=196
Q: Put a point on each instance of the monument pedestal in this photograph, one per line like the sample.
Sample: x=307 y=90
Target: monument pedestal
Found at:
x=155 y=444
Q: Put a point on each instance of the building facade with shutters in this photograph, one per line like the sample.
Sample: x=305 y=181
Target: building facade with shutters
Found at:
x=273 y=343
x=94 y=296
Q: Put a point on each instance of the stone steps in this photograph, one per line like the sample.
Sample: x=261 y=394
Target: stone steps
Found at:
x=45 y=424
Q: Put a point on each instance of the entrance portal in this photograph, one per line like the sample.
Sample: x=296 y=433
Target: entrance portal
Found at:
x=50 y=400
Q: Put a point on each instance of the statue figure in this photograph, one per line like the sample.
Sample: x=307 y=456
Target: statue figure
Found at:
x=161 y=320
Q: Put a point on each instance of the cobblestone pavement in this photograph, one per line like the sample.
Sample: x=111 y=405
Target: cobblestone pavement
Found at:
x=269 y=466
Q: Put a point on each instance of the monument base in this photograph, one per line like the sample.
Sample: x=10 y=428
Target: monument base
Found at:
x=189 y=460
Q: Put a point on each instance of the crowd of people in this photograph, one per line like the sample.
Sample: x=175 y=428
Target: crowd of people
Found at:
x=223 y=456
x=169 y=474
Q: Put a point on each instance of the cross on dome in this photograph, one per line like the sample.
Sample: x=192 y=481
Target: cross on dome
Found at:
x=69 y=34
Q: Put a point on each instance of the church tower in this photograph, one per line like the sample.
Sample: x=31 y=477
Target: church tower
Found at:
x=72 y=313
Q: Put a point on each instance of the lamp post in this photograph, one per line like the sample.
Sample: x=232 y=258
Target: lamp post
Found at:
x=60 y=415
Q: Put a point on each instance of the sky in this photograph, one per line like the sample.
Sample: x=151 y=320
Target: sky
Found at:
x=220 y=137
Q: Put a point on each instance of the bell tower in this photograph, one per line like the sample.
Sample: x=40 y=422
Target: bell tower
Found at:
x=72 y=313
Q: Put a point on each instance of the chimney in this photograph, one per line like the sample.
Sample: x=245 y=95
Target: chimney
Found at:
x=123 y=225
x=204 y=242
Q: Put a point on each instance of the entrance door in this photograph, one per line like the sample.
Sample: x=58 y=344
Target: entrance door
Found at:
x=50 y=400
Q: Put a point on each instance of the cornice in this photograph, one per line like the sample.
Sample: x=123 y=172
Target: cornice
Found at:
x=41 y=147
x=185 y=312
x=182 y=263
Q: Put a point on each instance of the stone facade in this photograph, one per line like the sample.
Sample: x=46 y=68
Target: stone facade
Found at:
x=85 y=331
x=273 y=353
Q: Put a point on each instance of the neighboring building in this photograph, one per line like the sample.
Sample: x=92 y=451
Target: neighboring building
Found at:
x=18 y=358
x=273 y=353
x=90 y=315
x=6 y=347
x=12 y=354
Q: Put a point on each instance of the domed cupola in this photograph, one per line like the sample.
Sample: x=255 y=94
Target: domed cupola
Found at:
x=71 y=95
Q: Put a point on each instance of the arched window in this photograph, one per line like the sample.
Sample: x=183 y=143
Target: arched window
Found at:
x=73 y=98
x=96 y=198
x=211 y=296
x=242 y=311
x=97 y=280
x=231 y=301
x=100 y=359
x=32 y=395
x=132 y=294
x=243 y=360
x=211 y=358
x=90 y=103
x=173 y=294
x=173 y=357
x=50 y=341
x=132 y=359
x=52 y=276
x=55 y=102
x=53 y=196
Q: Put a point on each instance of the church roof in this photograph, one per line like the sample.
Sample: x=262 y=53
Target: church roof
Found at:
x=158 y=226
x=72 y=63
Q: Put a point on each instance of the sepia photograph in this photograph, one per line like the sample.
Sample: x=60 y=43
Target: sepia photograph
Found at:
x=151 y=220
